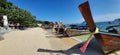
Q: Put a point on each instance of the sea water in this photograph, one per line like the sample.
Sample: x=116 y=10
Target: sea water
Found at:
x=103 y=25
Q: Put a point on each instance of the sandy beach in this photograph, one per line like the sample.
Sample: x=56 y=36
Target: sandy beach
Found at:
x=24 y=42
x=37 y=41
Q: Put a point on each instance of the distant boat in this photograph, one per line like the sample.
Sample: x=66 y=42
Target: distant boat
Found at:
x=74 y=26
x=108 y=41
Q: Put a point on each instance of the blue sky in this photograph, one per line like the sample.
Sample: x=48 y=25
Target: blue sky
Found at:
x=67 y=10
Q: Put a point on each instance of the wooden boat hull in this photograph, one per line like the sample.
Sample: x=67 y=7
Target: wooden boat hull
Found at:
x=73 y=32
x=108 y=42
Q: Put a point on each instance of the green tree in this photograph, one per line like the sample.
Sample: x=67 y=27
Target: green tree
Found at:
x=16 y=14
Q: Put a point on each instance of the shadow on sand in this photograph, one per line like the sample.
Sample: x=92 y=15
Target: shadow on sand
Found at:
x=92 y=49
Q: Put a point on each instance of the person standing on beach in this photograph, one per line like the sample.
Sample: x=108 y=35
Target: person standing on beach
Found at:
x=5 y=22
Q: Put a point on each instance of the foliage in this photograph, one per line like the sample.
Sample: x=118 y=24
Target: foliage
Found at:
x=16 y=14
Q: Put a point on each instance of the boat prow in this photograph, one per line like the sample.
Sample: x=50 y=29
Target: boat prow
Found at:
x=108 y=41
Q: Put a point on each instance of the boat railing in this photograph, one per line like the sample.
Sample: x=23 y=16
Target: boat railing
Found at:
x=107 y=33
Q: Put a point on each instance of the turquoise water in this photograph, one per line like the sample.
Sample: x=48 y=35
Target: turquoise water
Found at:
x=104 y=25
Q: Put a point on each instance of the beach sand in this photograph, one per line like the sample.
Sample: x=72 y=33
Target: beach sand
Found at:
x=24 y=42
x=37 y=41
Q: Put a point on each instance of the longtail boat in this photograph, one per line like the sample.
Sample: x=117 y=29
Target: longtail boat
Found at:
x=108 y=41
x=77 y=30
x=74 y=32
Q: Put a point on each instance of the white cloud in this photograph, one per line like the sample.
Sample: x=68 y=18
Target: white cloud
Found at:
x=106 y=17
x=81 y=20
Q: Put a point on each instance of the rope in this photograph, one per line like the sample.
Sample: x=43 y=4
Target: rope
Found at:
x=83 y=48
